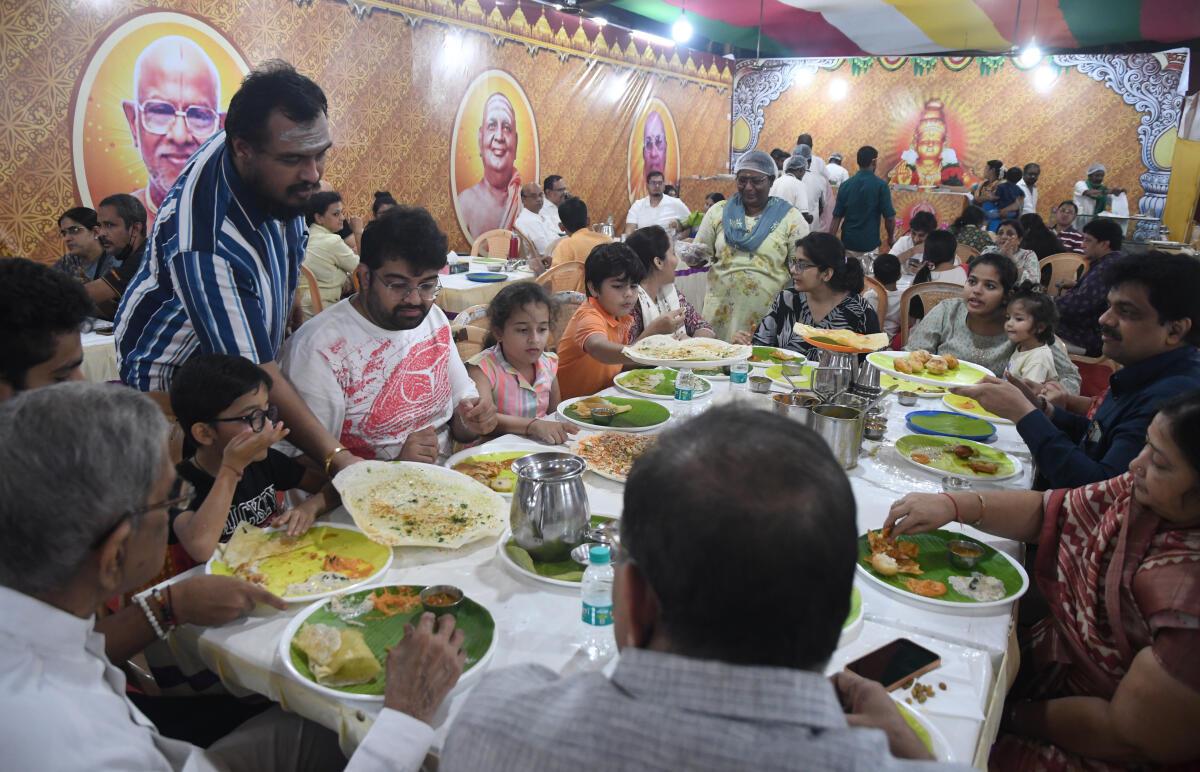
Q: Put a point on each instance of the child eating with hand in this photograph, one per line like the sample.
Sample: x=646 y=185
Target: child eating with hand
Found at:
x=516 y=368
x=591 y=352
x=223 y=407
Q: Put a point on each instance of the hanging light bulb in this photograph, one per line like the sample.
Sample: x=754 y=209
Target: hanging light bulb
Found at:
x=1030 y=56
x=681 y=30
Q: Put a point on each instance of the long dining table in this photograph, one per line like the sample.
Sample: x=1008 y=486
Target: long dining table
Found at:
x=539 y=623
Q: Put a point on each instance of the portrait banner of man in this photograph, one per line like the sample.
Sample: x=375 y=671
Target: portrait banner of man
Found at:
x=495 y=145
x=653 y=146
x=153 y=91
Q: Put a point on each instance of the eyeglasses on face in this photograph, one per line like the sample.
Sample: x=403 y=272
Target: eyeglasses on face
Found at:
x=798 y=265
x=255 y=420
x=747 y=180
x=184 y=491
x=426 y=290
x=71 y=230
x=158 y=117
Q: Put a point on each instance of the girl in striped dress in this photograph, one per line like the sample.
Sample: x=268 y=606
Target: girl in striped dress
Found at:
x=516 y=369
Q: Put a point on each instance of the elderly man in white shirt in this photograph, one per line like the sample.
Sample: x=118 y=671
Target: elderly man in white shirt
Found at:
x=656 y=208
x=556 y=192
x=531 y=223
x=82 y=528
x=820 y=193
x=834 y=171
x=791 y=188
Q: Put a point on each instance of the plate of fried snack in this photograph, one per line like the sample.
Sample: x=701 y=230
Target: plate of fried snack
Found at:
x=922 y=367
x=961 y=458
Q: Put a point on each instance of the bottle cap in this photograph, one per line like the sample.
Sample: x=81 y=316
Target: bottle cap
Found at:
x=599 y=555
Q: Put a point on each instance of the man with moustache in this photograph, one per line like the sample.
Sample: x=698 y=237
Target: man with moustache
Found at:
x=121 y=220
x=176 y=108
x=220 y=271
x=1150 y=328
x=380 y=369
x=494 y=201
x=556 y=191
x=654 y=152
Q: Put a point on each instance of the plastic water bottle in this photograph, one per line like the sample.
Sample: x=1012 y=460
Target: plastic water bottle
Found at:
x=739 y=379
x=598 y=645
x=685 y=390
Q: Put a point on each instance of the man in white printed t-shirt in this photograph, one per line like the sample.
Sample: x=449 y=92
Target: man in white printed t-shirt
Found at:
x=656 y=208
x=380 y=369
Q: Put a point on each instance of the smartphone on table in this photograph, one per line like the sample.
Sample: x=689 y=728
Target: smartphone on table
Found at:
x=895 y=663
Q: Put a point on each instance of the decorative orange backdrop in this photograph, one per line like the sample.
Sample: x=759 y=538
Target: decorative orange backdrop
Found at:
x=394 y=86
x=1000 y=115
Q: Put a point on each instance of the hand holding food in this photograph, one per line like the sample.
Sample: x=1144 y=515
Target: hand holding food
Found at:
x=247 y=446
x=666 y=323
x=421 y=446
x=215 y=600
x=867 y=704
x=551 y=432
x=299 y=519
x=918 y=513
x=998 y=397
x=478 y=415
x=743 y=338
x=424 y=666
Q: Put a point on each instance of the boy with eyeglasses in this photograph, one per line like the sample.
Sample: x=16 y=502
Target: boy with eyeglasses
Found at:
x=233 y=473
x=380 y=369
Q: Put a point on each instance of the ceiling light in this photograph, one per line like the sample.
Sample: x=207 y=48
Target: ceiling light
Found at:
x=1030 y=56
x=681 y=30
x=839 y=89
x=1044 y=77
x=803 y=76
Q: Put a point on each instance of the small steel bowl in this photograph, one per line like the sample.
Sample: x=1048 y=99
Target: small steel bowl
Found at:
x=760 y=384
x=965 y=562
x=439 y=589
x=603 y=416
x=906 y=398
x=793 y=369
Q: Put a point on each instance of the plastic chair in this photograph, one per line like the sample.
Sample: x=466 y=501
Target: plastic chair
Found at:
x=488 y=244
x=1094 y=372
x=930 y=293
x=881 y=297
x=470 y=330
x=1065 y=266
x=965 y=253
x=314 y=295
x=566 y=277
x=568 y=303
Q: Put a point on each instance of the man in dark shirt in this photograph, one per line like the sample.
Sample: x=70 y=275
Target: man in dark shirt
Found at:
x=861 y=201
x=1150 y=328
x=1080 y=306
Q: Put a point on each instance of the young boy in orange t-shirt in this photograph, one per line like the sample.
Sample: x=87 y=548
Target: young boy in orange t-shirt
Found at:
x=590 y=350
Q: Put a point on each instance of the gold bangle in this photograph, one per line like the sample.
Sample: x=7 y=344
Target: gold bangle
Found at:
x=329 y=458
x=982 y=509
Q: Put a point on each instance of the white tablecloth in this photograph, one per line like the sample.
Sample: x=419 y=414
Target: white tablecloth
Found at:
x=539 y=623
x=460 y=293
x=99 y=357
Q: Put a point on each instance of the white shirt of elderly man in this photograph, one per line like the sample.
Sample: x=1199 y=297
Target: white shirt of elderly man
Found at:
x=530 y=221
x=792 y=189
x=656 y=208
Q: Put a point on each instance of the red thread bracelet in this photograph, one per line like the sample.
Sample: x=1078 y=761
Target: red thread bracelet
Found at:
x=953 y=503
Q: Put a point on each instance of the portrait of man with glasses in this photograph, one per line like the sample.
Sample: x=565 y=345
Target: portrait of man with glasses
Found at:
x=174 y=110
x=380 y=369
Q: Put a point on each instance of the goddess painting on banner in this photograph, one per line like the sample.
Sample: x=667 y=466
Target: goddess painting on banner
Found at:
x=929 y=161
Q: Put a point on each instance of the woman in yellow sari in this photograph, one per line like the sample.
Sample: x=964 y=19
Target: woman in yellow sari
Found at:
x=752 y=236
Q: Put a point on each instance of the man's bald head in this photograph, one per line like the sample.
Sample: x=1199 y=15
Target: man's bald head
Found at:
x=172 y=72
x=654 y=144
x=532 y=197
x=498 y=140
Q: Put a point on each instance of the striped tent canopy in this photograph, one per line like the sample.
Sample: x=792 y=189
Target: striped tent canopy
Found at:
x=816 y=28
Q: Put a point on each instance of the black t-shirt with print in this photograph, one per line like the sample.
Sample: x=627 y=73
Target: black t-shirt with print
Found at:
x=254 y=499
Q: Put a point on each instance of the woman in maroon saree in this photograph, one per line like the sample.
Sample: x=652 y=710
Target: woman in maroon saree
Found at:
x=1111 y=678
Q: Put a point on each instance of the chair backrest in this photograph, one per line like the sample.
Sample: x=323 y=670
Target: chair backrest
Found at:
x=314 y=296
x=965 y=253
x=1094 y=374
x=931 y=293
x=568 y=303
x=881 y=297
x=565 y=277
x=470 y=329
x=493 y=243
x=1065 y=266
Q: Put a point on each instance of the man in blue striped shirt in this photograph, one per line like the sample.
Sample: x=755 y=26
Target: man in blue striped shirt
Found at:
x=221 y=268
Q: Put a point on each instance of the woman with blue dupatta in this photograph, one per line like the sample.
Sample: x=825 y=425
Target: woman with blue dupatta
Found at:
x=752 y=237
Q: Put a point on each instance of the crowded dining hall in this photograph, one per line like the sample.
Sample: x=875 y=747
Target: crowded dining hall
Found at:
x=600 y=384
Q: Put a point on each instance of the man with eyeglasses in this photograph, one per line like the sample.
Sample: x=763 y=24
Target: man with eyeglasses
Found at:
x=175 y=109
x=556 y=191
x=224 y=258
x=656 y=208
x=535 y=227
x=81 y=528
x=380 y=369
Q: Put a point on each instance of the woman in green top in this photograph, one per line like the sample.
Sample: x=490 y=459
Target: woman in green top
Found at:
x=972 y=327
x=752 y=236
